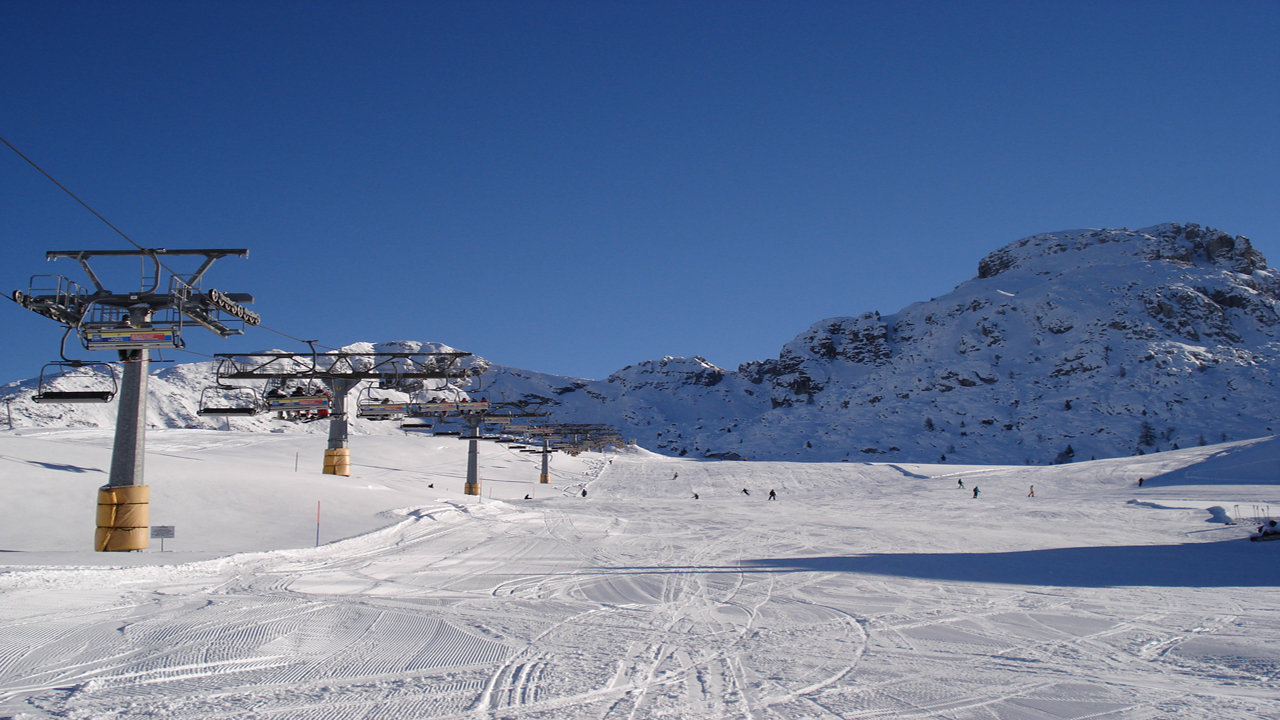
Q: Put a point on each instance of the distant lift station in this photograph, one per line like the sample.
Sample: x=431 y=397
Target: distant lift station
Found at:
x=132 y=324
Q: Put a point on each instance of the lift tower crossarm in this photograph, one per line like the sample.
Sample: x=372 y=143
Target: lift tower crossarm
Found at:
x=343 y=366
x=103 y=309
x=82 y=257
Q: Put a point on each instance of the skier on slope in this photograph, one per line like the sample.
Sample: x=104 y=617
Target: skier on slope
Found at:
x=773 y=495
x=745 y=491
x=975 y=491
x=961 y=482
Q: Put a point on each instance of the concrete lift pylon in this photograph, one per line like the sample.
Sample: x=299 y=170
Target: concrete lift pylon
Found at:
x=133 y=324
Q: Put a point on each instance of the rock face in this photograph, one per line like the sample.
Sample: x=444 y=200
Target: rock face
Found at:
x=1065 y=346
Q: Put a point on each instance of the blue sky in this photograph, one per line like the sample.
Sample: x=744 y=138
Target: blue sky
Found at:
x=572 y=187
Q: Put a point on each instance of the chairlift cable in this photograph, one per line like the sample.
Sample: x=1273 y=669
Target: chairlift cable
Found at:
x=73 y=195
x=126 y=237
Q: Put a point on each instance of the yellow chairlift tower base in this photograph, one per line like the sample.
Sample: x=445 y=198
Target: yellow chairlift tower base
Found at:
x=337 y=461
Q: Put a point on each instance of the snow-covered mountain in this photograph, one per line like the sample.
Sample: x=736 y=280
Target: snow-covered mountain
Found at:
x=1066 y=345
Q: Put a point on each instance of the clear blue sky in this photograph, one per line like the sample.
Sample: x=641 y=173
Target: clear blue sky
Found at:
x=573 y=187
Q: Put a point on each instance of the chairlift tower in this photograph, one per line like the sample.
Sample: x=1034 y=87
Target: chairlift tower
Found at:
x=132 y=324
x=474 y=414
x=474 y=421
x=341 y=371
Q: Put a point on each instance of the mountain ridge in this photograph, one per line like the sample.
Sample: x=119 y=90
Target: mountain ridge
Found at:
x=1064 y=346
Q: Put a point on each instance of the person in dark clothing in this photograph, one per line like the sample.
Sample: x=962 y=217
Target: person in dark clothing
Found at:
x=961 y=484
x=1139 y=482
x=1033 y=491
x=695 y=496
x=975 y=491
x=584 y=492
x=773 y=495
x=745 y=491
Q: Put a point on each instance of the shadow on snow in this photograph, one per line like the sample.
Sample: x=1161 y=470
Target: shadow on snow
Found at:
x=1217 y=564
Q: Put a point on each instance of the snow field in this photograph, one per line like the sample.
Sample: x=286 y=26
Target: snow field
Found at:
x=863 y=591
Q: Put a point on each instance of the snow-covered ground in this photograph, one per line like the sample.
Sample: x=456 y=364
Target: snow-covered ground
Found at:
x=865 y=590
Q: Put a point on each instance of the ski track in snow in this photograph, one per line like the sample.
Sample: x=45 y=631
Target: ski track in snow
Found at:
x=639 y=602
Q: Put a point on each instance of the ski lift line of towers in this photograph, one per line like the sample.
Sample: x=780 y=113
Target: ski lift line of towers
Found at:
x=134 y=323
x=391 y=371
x=131 y=324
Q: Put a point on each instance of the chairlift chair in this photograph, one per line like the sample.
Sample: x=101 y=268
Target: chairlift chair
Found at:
x=299 y=405
x=245 y=402
x=373 y=408
x=100 y=394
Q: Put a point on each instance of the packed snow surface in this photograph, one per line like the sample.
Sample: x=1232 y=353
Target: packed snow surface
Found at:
x=865 y=590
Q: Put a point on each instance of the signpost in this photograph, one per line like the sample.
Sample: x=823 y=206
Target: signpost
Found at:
x=162 y=532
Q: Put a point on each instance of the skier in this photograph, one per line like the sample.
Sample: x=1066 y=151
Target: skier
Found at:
x=773 y=495
x=695 y=496
x=673 y=477
x=975 y=491
x=584 y=492
x=745 y=492
x=1033 y=491
x=1267 y=531
x=961 y=483
x=526 y=497
x=1139 y=482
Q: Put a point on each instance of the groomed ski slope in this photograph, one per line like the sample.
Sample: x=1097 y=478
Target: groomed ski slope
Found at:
x=864 y=591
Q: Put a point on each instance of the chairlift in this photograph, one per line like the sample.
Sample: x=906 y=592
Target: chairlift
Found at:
x=99 y=394
x=375 y=408
x=432 y=408
x=241 y=402
x=306 y=402
x=473 y=407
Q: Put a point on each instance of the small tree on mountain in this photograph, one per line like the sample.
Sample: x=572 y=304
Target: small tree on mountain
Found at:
x=1146 y=434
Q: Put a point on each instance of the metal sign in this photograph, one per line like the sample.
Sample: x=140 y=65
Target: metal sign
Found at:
x=384 y=408
x=162 y=531
x=310 y=402
x=131 y=339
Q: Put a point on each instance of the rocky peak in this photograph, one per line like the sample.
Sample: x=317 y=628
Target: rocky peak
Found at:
x=668 y=373
x=1188 y=244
